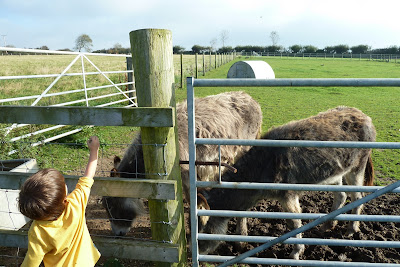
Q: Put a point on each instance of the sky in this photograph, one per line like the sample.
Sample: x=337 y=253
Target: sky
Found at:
x=56 y=24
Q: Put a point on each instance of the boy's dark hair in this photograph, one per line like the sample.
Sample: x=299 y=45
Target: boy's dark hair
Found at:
x=42 y=195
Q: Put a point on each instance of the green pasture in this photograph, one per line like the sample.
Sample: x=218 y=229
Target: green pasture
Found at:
x=55 y=64
x=279 y=105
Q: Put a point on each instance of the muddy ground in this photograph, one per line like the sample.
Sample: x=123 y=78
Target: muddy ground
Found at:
x=320 y=203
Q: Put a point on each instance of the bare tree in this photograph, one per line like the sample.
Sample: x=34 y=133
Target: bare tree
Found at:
x=83 y=41
x=117 y=48
x=4 y=39
x=213 y=44
x=224 y=37
x=274 y=38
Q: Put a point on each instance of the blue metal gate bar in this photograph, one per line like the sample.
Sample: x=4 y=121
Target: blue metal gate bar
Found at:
x=194 y=230
x=302 y=216
x=298 y=143
x=338 y=82
x=269 y=261
x=296 y=187
x=310 y=225
x=306 y=241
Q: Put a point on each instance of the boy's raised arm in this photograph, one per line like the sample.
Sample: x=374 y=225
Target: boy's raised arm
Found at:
x=93 y=145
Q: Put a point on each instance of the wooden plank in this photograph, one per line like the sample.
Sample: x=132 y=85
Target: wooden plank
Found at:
x=109 y=247
x=140 y=188
x=13 y=239
x=138 y=250
x=106 y=186
x=140 y=117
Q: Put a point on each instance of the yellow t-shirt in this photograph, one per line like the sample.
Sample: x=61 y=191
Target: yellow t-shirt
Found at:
x=65 y=241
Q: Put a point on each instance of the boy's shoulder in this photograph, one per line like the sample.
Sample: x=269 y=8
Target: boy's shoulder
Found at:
x=44 y=228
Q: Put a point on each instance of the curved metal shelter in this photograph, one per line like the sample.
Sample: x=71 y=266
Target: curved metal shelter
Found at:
x=257 y=69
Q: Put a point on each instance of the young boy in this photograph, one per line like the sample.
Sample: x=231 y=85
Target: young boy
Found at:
x=59 y=235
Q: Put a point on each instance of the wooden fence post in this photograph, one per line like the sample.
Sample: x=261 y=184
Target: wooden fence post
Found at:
x=209 y=69
x=154 y=76
x=204 y=65
x=181 y=71
x=196 y=69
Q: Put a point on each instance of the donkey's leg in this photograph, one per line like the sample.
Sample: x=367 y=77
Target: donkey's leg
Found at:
x=355 y=178
x=185 y=184
x=241 y=229
x=241 y=226
x=339 y=198
x=290 y=203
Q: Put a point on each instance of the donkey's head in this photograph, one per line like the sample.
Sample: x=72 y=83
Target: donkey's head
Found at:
x=213 y=225
x=202 y=204
x=114 y=171
x=121 y=210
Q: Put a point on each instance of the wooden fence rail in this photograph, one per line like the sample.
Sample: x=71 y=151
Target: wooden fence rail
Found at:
x=105 y=186
x=140 y=117
x=109 y=247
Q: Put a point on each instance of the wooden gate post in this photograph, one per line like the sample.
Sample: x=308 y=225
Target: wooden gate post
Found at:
x=154 y=77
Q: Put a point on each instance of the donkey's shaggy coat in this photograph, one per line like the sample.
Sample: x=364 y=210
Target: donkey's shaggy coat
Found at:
x=298 y=165
x=226 y=115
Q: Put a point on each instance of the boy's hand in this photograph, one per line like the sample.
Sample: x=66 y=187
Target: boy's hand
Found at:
x=93 y=143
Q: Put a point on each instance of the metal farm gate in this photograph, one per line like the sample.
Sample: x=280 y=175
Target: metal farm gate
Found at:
x=318 y=218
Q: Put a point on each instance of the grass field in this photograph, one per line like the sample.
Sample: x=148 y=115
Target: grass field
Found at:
x=55 y=64
x=279 y=105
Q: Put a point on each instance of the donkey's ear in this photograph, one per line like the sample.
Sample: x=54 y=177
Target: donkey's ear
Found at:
x=114 y=173
x=117 y=161
x=202 y=202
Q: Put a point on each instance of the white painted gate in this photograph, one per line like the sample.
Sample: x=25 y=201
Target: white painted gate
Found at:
x=82 y=58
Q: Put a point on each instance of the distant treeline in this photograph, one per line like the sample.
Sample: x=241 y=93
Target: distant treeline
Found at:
x=337 y=49
x=114 y=50
x=43 y=47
